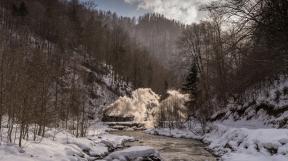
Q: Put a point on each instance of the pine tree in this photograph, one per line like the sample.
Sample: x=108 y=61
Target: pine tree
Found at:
x=20 y=11
x=190 y=84
x=23 y=10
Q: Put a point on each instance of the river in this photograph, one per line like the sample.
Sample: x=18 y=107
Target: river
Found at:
x=171 y=149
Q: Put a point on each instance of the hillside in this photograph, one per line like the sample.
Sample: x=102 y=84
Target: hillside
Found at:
x=266 y=106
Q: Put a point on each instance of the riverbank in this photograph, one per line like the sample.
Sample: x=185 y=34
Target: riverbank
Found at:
x=59 y=144
x=237 y=142
x=170 y=148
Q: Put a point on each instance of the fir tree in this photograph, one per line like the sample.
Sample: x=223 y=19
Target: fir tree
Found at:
x=190 y=84
x=23 y=10
x=20 y=11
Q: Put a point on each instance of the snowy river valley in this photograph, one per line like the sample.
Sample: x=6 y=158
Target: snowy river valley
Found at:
x=171 y=149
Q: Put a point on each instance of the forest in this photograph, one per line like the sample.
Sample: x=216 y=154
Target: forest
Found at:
x=39 y=41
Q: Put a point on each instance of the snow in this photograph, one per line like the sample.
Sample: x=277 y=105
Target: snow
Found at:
x=175 y=133
x=252 y=157
x=60 y=145
x=249 y=124
x=238 y=143
x=133 y=153
x=44 y=151
x=223 y=139
x=115 y=140
x=263 y=107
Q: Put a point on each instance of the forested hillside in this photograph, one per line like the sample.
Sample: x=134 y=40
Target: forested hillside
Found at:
x=243 y=45
x=61 y=61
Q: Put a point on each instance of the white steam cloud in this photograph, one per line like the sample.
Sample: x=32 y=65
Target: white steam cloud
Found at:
x=185 y=11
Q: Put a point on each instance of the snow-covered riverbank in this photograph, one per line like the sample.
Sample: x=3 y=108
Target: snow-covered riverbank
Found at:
x=239 y=144
x=60 y=145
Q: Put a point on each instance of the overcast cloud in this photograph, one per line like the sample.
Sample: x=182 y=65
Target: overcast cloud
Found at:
x=185 y=11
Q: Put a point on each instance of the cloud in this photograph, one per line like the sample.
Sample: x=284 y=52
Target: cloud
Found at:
x=185 y=11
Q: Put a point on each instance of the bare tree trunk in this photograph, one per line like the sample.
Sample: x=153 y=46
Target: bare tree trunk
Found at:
x=83 y=119
x=77 y=125
x=1 y=90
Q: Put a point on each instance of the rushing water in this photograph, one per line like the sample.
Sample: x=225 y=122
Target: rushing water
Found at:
x=171 y=149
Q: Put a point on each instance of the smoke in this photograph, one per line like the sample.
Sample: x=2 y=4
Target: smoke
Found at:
x=185 y=11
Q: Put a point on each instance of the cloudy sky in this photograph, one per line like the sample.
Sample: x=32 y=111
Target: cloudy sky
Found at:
x=185 y=11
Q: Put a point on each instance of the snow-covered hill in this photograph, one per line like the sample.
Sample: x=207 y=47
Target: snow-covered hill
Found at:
x=96 y=80
x=264 y=107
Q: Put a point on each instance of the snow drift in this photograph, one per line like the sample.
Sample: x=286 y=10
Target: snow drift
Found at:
x=61 y=145
x=137 y=153
x=248 y=144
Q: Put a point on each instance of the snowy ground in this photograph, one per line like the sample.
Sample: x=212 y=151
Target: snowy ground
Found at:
x=177 y=133
x=239 y=143
x=134 y=153
x=59 y=145
x=261 y=108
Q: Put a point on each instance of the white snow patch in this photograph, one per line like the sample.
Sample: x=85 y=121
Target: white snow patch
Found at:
x=60 y=145
x=175 y=133
x=235 y=144
x=133 y=153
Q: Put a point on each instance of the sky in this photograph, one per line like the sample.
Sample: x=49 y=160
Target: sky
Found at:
x=185 y=11
x=120 y=7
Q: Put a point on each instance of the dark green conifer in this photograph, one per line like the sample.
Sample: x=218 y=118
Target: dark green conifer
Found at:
x=190 y=84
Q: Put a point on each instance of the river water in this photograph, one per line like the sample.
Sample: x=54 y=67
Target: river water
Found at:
x=171 y=149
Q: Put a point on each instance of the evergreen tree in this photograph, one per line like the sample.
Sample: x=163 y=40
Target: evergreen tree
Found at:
x=23 y=10
x=20 y=11
x=190 y=84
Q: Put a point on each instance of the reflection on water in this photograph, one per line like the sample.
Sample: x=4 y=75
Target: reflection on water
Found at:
x=171 y=149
